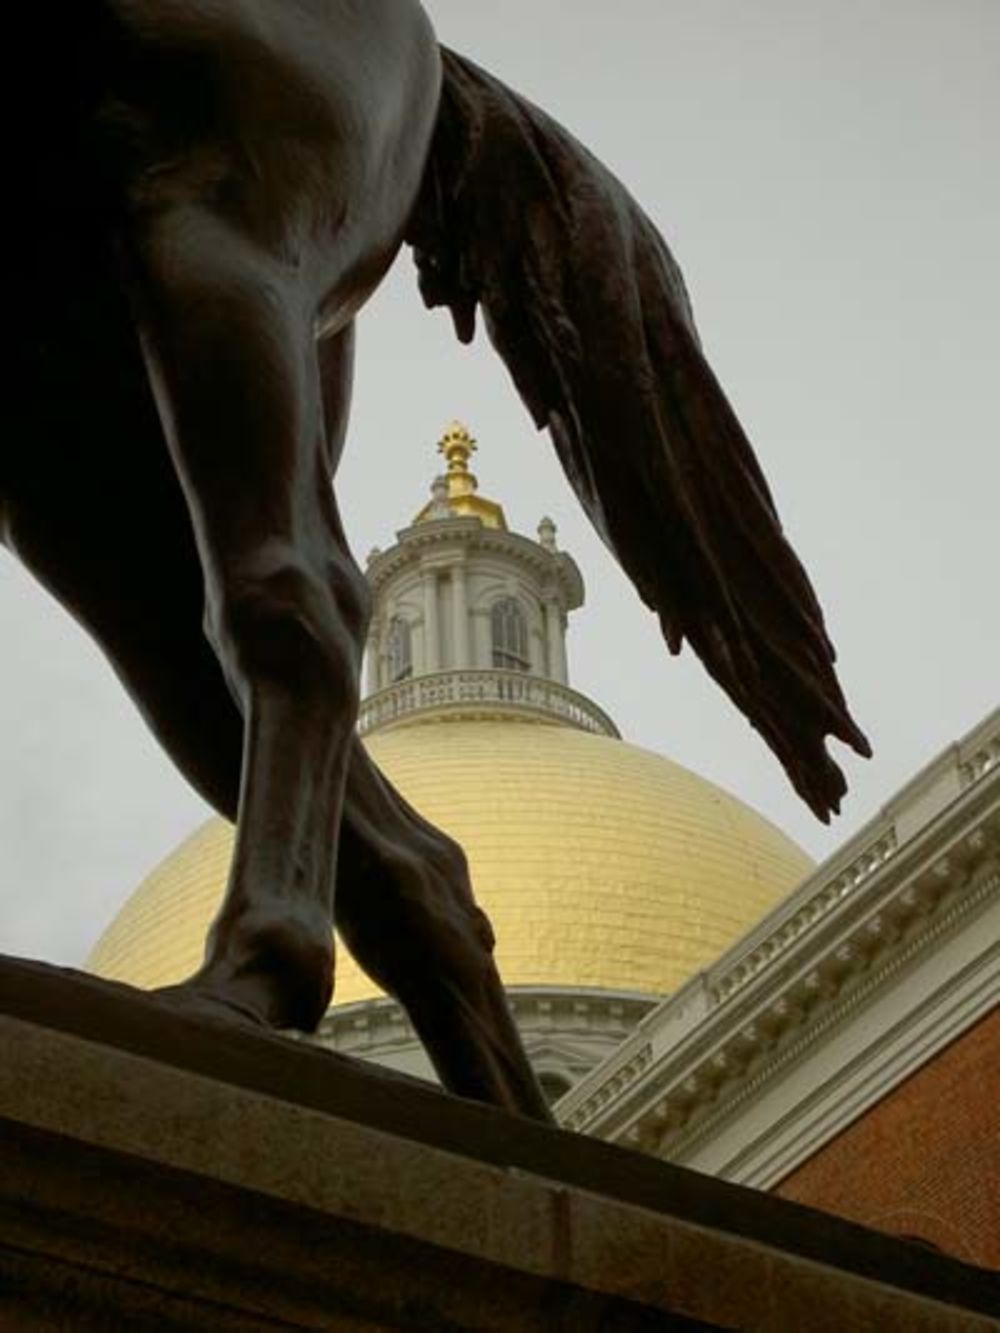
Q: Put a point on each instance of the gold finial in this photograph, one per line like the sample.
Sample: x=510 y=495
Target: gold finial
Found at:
x=454 y=494
x=458 y=446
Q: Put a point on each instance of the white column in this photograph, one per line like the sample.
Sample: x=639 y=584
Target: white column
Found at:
x=460 y=618
x=374 y=647
x=536 y=648
x=432 y=636
x=556 y=636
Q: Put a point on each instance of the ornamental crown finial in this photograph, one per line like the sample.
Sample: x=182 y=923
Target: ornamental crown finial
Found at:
x=458 y=446
x=455 y=495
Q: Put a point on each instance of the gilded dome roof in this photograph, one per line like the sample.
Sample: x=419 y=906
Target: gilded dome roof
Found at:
x=599 y=863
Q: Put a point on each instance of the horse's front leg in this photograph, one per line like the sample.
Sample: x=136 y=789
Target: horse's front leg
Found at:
x=228 y=339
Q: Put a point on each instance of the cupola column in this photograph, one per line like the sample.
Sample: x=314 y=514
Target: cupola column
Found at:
x=432 y=633
x=555 y=633
x=374 y=647
x=460 y=617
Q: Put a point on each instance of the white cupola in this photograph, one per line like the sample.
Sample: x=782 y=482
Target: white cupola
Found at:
x=469 y=616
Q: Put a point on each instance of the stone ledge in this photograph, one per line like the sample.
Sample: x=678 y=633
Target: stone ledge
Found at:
x=163 y=1171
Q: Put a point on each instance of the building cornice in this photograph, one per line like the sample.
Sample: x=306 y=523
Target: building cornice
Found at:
x=382 y=1023
x=866 y=922
x=457 y=534
x=945 y=982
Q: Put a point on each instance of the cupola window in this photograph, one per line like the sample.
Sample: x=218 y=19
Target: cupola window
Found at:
x=510 y=636
x=400 y=650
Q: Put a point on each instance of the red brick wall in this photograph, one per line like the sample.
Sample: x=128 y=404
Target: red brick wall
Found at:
x=926 y=1160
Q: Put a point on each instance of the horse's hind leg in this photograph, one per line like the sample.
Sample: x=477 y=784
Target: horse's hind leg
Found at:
x=406 y=910
x=229 y=346
x=135 y=582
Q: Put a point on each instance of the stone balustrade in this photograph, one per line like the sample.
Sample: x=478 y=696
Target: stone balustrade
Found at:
x=478 y=692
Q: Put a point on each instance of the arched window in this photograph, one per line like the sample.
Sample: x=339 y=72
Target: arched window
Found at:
x=510 y=636
x=400 y=650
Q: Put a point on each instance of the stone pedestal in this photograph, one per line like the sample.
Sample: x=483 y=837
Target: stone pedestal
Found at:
x=166 y=1172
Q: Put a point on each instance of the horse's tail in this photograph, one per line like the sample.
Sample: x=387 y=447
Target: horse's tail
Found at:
x=588 y=309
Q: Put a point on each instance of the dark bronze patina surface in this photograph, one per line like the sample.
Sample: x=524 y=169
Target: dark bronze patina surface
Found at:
x=210 y=192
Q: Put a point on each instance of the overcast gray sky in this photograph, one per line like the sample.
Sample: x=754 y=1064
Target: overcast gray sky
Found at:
x=827 y=173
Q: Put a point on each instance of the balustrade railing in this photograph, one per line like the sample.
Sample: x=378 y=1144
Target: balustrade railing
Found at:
x=476 y=691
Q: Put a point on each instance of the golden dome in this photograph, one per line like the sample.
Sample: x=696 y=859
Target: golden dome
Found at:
x=599 y=863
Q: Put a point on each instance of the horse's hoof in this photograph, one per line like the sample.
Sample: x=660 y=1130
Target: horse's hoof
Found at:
x=266 y=969
x=195 y=1001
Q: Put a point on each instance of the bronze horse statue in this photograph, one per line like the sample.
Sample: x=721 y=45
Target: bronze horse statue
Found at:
x=210 y=191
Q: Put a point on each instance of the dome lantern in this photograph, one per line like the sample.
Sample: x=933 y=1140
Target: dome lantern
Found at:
x=470 y=618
